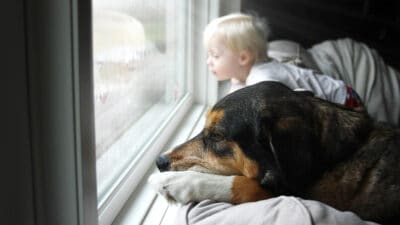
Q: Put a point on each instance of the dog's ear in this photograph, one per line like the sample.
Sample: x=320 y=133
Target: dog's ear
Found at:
x=273 y=177
x=292 y=145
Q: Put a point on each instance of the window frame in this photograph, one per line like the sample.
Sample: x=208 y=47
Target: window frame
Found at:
x=205 y=93
x=201 y=93
x=110 y=197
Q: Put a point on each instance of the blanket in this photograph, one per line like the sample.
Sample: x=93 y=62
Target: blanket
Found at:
x=361 y=67
x=283 y=210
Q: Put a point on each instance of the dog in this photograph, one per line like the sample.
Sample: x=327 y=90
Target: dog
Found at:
x=267 y=140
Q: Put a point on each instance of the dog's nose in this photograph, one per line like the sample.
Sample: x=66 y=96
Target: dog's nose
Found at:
x=162 y=163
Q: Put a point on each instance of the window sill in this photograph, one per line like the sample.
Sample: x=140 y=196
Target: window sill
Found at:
x=144 y=206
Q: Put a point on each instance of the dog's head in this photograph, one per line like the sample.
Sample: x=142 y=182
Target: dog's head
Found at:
x=270 y=133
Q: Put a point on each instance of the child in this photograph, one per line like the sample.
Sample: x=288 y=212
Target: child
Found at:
x=237 y=50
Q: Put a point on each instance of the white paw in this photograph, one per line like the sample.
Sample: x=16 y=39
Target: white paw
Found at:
x=171 y=185
x=188 y=186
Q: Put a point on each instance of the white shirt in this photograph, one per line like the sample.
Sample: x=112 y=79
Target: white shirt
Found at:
x=294 y=77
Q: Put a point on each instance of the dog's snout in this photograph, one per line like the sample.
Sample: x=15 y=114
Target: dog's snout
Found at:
x=162 y=163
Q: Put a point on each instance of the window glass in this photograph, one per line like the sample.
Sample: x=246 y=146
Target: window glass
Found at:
x=138 y=63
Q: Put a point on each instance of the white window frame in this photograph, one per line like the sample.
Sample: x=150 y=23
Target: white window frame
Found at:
x=115 y=198
x=203 y=89
x=143 y=205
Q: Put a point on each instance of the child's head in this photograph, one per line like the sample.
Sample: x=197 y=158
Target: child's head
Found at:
x=239 y=34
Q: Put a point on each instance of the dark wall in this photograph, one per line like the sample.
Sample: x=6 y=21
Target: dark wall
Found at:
x=16 y=189
x=374 y=22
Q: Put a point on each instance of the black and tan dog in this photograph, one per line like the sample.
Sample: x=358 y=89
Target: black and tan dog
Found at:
x=267 y=140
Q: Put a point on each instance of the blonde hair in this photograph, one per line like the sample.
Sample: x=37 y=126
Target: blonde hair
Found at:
x=240 y=32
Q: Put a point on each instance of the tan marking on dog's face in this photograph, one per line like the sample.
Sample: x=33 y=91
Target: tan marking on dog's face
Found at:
x=248 y=167
x=197 y=155
x=213 y=118
x=186 y=155
x=191 y=155
x=247 y=190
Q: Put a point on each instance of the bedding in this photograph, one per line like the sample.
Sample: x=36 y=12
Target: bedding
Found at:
x=283 y=210
x=359 y=66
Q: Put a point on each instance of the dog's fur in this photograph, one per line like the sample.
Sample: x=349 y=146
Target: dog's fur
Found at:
x=267 y=140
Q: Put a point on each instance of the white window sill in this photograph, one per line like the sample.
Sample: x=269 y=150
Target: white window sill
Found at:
x=144 y=206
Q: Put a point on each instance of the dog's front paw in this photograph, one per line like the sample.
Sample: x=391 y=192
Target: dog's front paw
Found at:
x=172 y=185
x=187 y=186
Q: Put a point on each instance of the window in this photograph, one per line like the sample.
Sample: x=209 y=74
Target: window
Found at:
x=125 y=44
x=149 y=74
x=139 y=49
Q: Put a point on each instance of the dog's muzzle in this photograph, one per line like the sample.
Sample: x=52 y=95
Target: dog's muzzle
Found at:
x=162 y=163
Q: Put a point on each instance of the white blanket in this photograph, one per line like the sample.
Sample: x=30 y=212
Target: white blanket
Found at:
x=365 y=71
x=275 y=211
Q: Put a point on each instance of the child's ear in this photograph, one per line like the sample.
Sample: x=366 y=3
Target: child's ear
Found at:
x=245 y=58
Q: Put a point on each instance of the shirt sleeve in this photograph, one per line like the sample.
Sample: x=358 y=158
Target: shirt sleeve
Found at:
x=281 y=210
x=295 y=77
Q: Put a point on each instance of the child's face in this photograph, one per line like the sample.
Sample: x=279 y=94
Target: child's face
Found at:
x=222 y=62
